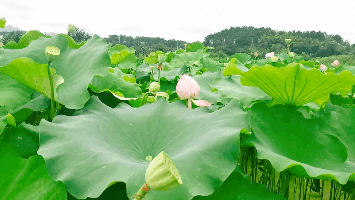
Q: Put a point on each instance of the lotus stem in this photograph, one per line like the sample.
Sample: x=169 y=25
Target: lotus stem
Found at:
x=141 y=192
x=189 y=103
x=51 y=113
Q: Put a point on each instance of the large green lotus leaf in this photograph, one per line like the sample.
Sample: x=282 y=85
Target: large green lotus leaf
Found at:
x=26 y=178
x=204 y=82
x=153 y=57
x=99 y=145
x=168 y=75
x=181 y=59
x=211 y=65
x=30 y=36
x=78 y=67
x=238 y=186
x=306 y=147
x=3 y=118
x=242 y=57
x=295 y=85
x=13 y=93
x=195 y=46
x=123 y=57
x=115 y=84
x=231 y=68
x=119 y=47
x=230 y=87
x=32 y=74
x=340 y=123
x=24 y=140
x=346 y=67
x=72 y=43
x=25 y=40
x=35 y=50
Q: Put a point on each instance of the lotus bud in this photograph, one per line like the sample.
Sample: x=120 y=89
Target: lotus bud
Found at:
x=291 y=54
x=52 y=53
x=288 y=41
x=71 y=28
x=154 y=87
x=256 y=54
x=162 y=174
x=2 y=22
x=270 y=55
x=323 y=68
x=187 y=88
x=274 y=59
x=335 y=63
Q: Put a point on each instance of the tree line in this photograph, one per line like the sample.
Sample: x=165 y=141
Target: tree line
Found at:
x=227 y=42
x=263 y=40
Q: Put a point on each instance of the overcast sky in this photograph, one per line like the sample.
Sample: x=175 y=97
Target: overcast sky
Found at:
x=189 y=20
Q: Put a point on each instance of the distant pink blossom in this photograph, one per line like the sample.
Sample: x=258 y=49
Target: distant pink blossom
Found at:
x=323 y=68
x=335 y=63
x=187 y=88
x=270 y=55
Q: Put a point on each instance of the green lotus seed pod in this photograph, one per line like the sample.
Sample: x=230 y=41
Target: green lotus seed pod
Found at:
x=162 y=174
x=154 y=87
x=291 y=54
x=274 y=59
x=288 y=41
x=52 y=53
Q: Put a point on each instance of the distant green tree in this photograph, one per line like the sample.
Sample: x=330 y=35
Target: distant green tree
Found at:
x=12 y=36
x=79 y=35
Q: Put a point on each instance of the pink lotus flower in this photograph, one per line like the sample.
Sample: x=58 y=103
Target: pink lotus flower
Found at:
x=270 y=55
x=323 y=68
x=187 y=88
x=335 y=63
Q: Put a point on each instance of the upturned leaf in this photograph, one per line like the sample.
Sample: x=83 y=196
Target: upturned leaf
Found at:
x=295 y=85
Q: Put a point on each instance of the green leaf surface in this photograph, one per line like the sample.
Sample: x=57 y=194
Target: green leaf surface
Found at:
x=71 y=42
x=181 y=59
x=195 y=46
x=13 y=93
x=34 y=51
x=99 y=145
x=115 y=83
x=30 y=36
x=297 y=86
x=78 y=68
x=211 y=65
x=319 y=148
x=346 y=67
x=31 y=74
x=24 y=140
x=204 y=82
x=168 y=75
x=239 y=186
x=242 y=57
x=231 y=68
x=230 y=87
x=26 y=179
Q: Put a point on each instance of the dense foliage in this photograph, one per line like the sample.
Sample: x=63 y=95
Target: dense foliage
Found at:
x=88 y=120
x=264 y=40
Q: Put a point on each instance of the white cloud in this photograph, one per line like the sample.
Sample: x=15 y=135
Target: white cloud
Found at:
x=188 y=20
